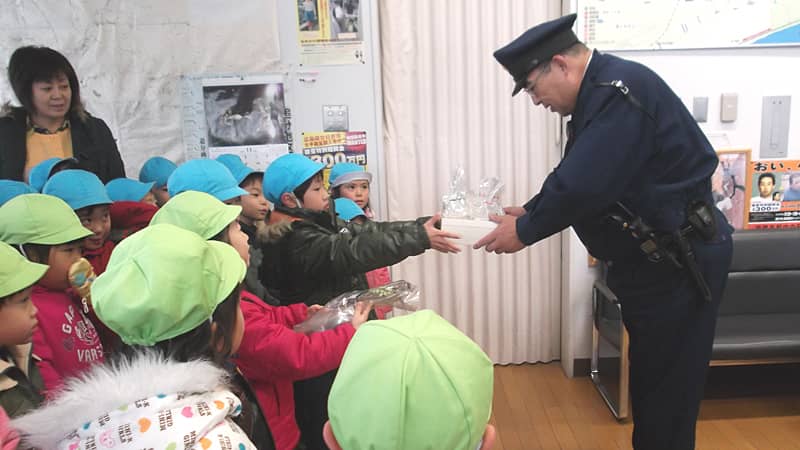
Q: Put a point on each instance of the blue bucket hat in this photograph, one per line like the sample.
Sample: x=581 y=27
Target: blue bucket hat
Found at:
x=157 y=169
x=78 y=188
x=347 y=209
x=11 y=188
x=286 y=173
x=346 y=172
x=127 y=190
x=41 y=172
x=204 y=175
x=238 y=168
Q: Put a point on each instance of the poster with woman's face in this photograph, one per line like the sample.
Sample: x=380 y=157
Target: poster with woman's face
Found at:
x=730 y=188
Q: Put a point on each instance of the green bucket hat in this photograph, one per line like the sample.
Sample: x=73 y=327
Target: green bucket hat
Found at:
x=39 y=219
x=430 y=387
x=198 y=212
x=164 y=281
x=16 y=272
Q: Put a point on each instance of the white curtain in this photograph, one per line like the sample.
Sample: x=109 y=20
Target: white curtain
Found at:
x=447 y=102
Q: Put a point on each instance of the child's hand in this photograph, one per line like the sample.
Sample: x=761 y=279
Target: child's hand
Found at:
x=312 y=309
x=440 y=240
x=360 y=314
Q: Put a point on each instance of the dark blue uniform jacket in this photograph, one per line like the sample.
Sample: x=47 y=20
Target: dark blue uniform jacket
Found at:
x=652 y=157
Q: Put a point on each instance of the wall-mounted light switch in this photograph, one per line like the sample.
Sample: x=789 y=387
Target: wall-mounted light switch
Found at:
x=700 y=109
x=728 y=107
x=775 y=126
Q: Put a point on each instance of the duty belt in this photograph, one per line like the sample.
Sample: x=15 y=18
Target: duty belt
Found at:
x=674 y=247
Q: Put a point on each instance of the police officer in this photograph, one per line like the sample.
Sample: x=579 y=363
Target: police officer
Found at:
x=648 y=213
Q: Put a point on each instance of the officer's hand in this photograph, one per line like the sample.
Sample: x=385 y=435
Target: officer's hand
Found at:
x=440 y=240
x=515 y=211
x=504 y=238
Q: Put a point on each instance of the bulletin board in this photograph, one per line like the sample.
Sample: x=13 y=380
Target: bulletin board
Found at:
x=334 y=65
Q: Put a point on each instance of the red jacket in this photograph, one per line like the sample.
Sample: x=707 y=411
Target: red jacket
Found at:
x=272 y=356
x=65 y=340
x=129 y=217
x=99 y=257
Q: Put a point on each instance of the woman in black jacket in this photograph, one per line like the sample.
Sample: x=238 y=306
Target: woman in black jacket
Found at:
x=52 y=121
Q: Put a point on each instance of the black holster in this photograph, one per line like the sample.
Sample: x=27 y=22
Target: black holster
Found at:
x=675 y=247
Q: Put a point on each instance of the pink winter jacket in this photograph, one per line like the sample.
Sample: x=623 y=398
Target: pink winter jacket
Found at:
x=9 y=439
x=272 y=356
x=65 y=340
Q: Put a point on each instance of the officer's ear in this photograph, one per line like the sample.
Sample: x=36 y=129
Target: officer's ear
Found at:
x=559 y=62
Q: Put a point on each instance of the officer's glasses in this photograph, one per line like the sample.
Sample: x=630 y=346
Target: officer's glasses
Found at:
x=530 y=88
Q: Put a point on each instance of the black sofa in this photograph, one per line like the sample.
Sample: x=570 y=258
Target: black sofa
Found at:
x=758 y=322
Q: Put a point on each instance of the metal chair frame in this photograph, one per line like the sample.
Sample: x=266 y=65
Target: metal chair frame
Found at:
x=619 y=406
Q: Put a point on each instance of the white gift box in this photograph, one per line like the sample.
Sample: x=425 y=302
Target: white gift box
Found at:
x=470 y=230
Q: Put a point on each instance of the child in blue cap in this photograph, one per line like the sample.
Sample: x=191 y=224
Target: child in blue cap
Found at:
x=127 y=190
x=350 y=180
x=12 y=188
x=255 y=209
x=310 y=256
x=349 y=211
x=86 y=195
x=134 y=205
x=206 y=175
x=157 y=170
x=42 y=172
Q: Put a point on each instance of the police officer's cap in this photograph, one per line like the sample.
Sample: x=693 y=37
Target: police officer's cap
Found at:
x=534 y=47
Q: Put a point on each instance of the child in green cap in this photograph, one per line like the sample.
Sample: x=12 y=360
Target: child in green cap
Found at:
x=20 y=382
x=47 y=231
x=271 y=355
x=173 y=298
x=310 y=256
x=412 y=382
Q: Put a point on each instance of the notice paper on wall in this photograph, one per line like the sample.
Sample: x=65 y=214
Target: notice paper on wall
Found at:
x=335 y=147
x=246 y=115
x=330 y=32
x=776 y=194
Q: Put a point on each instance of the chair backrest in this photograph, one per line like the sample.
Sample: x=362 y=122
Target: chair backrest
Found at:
x=764 y=277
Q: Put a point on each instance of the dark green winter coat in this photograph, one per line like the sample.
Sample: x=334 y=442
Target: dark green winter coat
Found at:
x=20 y=382
x=311 y=257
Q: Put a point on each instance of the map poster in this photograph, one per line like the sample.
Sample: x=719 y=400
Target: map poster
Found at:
x=334 y=147
x=775 y=201
x=673 y=24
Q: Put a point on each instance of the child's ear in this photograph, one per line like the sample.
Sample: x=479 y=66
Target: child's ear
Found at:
x=329 y=438
x=288 y=200
x=489 y=437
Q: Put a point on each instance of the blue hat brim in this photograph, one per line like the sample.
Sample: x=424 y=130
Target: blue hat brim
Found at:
x=229 y=193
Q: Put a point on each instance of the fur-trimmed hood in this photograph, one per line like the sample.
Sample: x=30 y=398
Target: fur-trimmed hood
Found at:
x=118 y=393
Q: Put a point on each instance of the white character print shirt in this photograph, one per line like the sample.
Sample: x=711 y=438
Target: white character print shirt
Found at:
x=144 y=403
